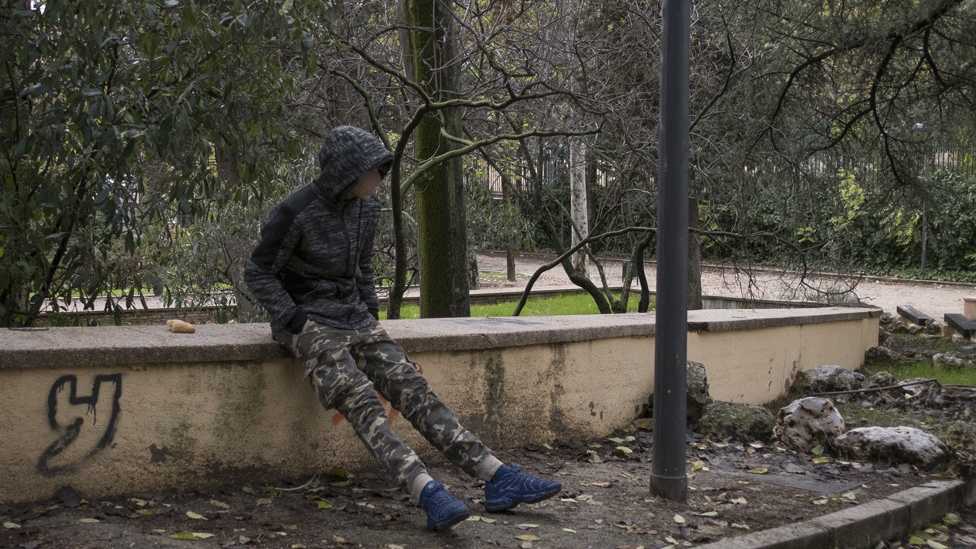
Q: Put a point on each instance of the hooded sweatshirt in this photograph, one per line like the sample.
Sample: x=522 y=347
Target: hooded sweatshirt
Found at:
x=314 y=260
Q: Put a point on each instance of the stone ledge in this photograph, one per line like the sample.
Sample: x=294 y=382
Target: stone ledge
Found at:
x=861 y=526
x=154 y=344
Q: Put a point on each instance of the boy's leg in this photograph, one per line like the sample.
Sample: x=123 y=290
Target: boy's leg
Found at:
x=339 y=384
x=356 y=399
x=399 y=380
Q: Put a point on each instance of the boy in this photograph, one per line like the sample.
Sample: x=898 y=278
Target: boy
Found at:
x=313 y=271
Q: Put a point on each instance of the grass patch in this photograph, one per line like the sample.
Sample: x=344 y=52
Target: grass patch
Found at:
x=945 y=376
x=543 y=306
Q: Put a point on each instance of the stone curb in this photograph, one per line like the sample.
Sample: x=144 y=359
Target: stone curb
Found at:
x=887 y=519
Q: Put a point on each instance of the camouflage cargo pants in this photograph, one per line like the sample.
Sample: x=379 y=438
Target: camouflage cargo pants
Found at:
x=348 y=368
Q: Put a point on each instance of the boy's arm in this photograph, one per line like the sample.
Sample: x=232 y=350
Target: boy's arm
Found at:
x=367 y=287
x=261 y=272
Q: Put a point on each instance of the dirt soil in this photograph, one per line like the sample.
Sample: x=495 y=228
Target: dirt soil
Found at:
x=733 y=488
x=605 y=502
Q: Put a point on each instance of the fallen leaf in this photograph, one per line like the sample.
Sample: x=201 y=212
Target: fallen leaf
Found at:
x=325 y=505
x=526 y=526
x=196 y=516
x=144 y=512
x=11 y=525
x=697 y=466
x=739 y=501
x=202 y=535
x=740 y=526
x=528 y=537
x=679 y=519
x=850 y=496
x=817 y=450
x=708 y=514
x=476 y=518
x=184 y=535
x=264 y=501
x=759 y=471
x=935 y=545
x=951 y=519
x=670 y=540
x=821 y=459
x=88 y=520
x=570 y=530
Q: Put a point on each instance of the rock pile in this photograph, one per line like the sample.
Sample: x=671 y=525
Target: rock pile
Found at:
x=813 y=423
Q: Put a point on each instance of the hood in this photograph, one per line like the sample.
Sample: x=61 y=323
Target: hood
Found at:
x=346 y=153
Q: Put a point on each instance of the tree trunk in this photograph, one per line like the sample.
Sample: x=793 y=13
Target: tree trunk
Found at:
x=442 y=242
x=578 y=203
x=227 y=169
x=510 y=251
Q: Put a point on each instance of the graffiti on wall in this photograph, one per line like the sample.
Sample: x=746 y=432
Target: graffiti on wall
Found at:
x=79 y=423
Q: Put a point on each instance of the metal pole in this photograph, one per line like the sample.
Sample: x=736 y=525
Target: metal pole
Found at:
x=668 y=477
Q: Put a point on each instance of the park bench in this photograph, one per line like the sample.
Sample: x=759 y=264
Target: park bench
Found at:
x=914 y=315
x=961 y=325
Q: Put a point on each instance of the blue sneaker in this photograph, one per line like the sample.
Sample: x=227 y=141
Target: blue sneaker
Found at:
x=443 y=509
x=510 y=486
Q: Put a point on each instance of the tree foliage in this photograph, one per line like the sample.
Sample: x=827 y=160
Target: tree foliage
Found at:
x=129 y=128
x=812 y=139
x=111 y=114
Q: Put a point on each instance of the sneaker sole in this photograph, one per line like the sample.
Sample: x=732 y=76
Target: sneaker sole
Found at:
x=495 y=506
x=450 y=523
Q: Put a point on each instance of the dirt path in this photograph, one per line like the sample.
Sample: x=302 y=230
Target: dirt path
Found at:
x=933 y=298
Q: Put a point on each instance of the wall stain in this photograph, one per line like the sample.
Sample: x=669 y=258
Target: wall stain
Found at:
x=158 y=454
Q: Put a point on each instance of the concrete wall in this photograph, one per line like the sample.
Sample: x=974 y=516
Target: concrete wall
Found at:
x=120 y=409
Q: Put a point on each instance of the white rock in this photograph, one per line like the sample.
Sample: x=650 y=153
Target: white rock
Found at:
x=807 y=422
x=828 y=378
x=892 y=444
